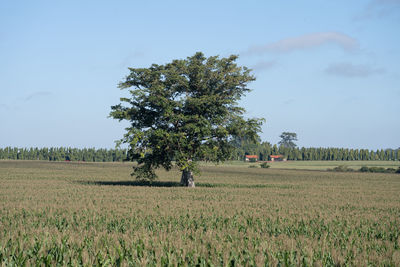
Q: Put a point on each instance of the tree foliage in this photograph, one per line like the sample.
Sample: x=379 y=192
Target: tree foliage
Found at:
x=287 y=140
x=265 y=149
x=242 y=148
x=64 y=154
x=184 y=111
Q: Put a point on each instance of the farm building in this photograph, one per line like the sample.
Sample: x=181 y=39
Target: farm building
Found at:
x=251 y=158
x=277 y=158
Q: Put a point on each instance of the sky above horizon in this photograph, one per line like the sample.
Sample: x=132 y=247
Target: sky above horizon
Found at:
x=327 y=70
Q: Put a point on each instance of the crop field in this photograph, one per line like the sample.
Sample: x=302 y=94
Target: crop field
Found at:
x=317 y=165
x=70 y=213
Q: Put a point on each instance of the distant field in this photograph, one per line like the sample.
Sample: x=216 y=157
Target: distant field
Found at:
x=323 y=165
x=312 y=165
x=70 y=213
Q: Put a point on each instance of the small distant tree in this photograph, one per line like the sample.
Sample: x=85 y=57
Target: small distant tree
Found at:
x=287 y=140
x=274 y=150
x=183 y=112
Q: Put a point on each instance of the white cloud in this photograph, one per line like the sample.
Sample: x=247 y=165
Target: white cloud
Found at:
x=349 y=70
x=307 y=41
x=264 y=65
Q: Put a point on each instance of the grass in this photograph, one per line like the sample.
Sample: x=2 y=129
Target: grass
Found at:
x=95 y=214
x=315 y=165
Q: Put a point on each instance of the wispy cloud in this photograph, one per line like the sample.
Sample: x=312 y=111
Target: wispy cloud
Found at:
x=379 y=9
x=37 y=94
x=346 y=69
x=306 y=41
x=288 y=101
x=264 y=65
x=4 y=106
x=129 y=59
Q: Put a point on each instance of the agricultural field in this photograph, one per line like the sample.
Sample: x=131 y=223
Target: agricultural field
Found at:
x=71 y=213
x=316 y=164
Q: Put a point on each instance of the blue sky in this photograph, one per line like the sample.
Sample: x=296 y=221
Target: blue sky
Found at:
x=327 y=70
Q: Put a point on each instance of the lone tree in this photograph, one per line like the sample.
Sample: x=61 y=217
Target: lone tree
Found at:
x=288 y=140
x=183 y=112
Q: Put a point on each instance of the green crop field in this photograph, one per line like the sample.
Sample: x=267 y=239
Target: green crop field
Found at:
x=67 y=213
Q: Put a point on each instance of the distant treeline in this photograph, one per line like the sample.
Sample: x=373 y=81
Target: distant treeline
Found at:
x=64 y=154
x=262 y=150
x=265 y=149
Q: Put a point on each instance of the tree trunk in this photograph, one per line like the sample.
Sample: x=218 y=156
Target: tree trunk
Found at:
x=187 y=178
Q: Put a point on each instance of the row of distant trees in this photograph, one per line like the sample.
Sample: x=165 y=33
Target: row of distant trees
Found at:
x=64 y=154
x=262 y=150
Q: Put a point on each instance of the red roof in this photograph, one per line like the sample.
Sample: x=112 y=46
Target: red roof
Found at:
x=251 y=156
x=276 y=156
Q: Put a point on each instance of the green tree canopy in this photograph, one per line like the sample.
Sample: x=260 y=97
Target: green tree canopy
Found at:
x=184 y=111
x=287 y=139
